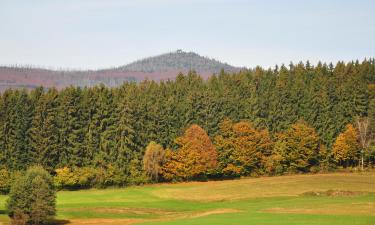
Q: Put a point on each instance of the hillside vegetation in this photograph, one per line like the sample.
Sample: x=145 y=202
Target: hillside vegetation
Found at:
x=258 y=122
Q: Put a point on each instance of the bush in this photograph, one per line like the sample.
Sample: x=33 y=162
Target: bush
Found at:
x=32 y=198
x=85 y=176
x=77 y=178
x=4 y=181
x=315 y=169
x=65 y=178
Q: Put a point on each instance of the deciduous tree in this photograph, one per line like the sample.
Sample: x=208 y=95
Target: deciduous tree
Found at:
x=196 y=156
x=299 y=147
x=346 y=149
x=153 y=160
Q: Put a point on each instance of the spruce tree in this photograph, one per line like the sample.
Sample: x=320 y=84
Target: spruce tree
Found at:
x=44 y=133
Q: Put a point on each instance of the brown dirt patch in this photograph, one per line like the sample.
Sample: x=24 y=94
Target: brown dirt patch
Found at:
x=214 y=212
x=104 y=221
x=169 y=216
x=349 y=209
x=339 y=193
x=124 y=210
x=333 y=193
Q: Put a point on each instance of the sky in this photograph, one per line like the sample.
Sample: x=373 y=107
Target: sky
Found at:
x=92 y=34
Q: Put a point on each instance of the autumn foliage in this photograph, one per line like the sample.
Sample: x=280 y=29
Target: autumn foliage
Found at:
x=297 y=149
x=195 y=157
x=242 y=148
x=152 y=160
x=346 y=148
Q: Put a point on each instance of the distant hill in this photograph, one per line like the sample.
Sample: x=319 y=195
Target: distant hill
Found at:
x=161 y=67
x=178 y=60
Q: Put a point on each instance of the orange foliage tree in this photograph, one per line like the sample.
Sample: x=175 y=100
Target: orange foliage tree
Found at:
x=346 y=149
x=196 y=156
x=242 y=148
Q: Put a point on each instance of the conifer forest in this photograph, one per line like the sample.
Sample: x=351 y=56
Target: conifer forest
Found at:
x=297 y=118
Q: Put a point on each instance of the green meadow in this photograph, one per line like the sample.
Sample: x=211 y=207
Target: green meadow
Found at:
x=324 y=199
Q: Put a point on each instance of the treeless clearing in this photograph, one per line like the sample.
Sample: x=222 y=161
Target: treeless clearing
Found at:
x=267 y=186
x=324 y=199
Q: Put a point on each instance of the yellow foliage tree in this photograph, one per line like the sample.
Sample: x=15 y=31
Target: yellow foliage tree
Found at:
x=152 y=160
x=65 y=178
x=346 y=149
x=298 y=148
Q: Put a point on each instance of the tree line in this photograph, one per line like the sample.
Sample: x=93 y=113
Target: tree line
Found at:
x=288 y=119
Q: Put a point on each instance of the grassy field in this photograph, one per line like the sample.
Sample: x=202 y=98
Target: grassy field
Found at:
x=286 y=200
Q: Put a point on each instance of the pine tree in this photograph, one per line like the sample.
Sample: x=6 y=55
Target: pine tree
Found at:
x=71 y=127
x=20 y=146
x=126 y=149
x=44 y=132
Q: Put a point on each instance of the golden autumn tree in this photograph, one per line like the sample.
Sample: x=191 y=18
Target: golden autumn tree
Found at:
x=298 y=148
x=172 y=166
x=152 y=160
x=242 y=148
x=195 y=157
x=346 y=149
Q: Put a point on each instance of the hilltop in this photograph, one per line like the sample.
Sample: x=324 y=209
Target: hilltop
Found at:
x=161 y=67
x=178 y=60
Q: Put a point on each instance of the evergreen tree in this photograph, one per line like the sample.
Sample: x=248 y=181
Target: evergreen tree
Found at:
x=71 y=128
x=44 y=132
x=32 y=198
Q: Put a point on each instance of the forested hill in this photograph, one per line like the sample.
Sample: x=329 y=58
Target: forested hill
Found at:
x=178 y=61
x=157 y=68
x=291 y=119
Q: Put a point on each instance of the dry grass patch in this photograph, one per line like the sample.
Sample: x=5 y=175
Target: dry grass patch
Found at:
x=367 y=209
x=333 y=193
x=267 y=187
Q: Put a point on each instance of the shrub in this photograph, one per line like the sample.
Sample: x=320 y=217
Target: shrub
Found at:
x=4 y=181
x=65 y=178
x=32 y=198
x=77 y=178
x=85 y=176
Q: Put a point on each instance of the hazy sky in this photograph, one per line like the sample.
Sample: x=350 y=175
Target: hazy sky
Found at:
x=102 y=33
